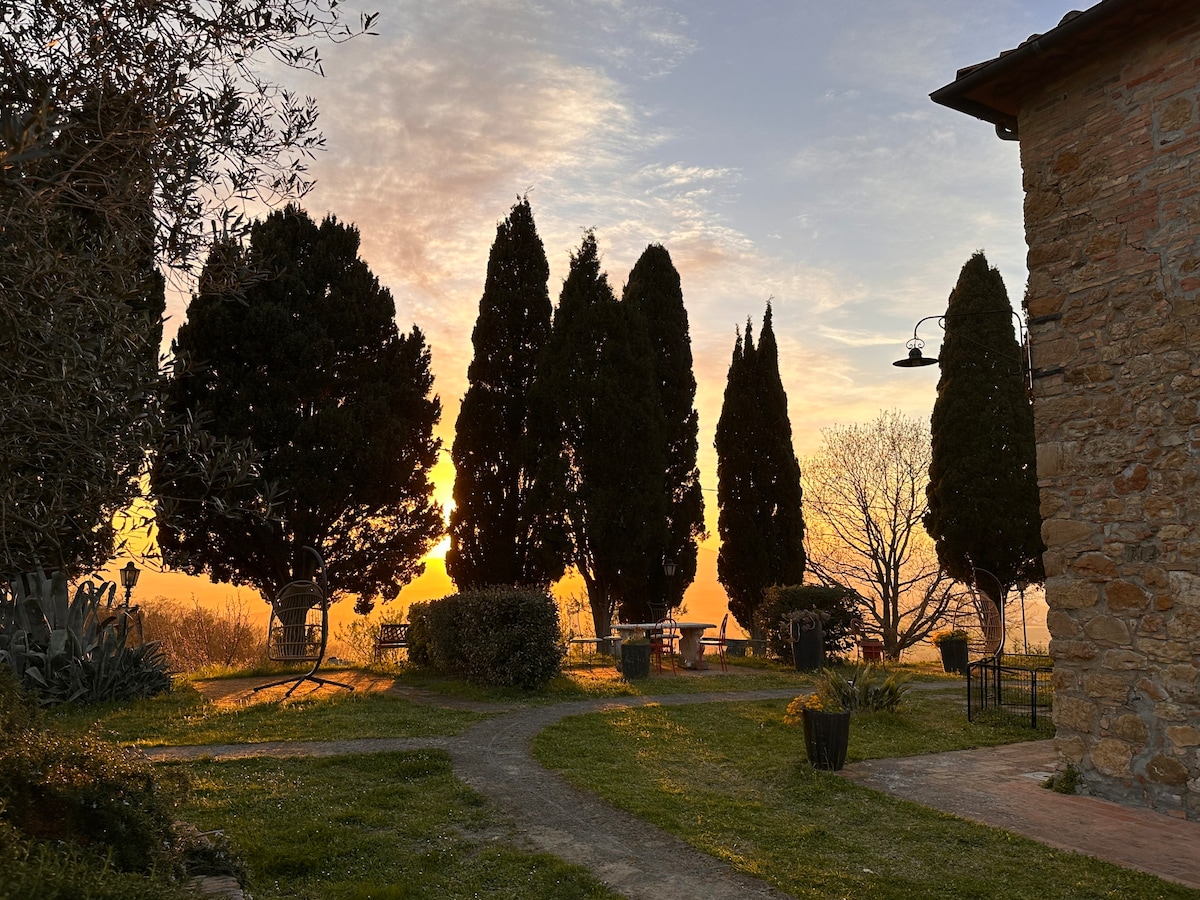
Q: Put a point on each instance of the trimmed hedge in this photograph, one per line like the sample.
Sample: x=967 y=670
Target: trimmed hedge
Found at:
x=504 y=636
x=838 y=602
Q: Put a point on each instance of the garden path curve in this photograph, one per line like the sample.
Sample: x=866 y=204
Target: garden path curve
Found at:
x=629 y=855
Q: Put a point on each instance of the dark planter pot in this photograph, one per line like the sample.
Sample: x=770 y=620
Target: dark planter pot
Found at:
x=736 y=646
x=635 y=660
x=808 y=648
x=954 y=656
x=826 y=736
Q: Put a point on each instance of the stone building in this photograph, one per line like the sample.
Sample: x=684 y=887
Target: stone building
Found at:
x=1106 y=107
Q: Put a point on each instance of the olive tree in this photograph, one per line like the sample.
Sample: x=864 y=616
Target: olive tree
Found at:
x=130 y=132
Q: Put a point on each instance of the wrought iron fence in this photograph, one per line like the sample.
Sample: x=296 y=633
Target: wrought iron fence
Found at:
x=1020 y=687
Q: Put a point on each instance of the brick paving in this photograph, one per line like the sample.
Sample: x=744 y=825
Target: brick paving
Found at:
x=1002 y=786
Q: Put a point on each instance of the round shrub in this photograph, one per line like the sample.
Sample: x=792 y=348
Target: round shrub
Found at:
x=504 y=636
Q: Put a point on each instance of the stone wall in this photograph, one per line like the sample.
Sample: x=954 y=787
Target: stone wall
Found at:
x=1111 y=157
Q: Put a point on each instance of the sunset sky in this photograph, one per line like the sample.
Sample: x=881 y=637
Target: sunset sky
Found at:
x=779 y=150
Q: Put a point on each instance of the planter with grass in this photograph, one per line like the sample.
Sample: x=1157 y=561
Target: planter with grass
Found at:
x=953 y=647
x=826 y=737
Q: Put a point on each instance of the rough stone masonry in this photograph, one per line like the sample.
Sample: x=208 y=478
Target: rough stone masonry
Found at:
x=1106 y=107
x=1109 y=151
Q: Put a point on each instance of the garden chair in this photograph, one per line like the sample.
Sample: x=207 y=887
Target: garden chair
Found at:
x=719 y=643
x=299 y=628
x=662 y=635
x=871 y=650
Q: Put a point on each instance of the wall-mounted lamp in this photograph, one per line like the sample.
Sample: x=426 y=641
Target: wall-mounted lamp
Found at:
x=915 y=345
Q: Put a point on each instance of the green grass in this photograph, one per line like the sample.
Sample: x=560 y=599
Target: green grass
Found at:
x=389 y=826
x=184 y=717
x=731 y=780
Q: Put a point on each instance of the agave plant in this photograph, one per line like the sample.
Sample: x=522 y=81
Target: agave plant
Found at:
x=867 y=688
x=68 y=649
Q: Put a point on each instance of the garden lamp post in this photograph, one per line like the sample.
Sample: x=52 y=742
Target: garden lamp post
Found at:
x=669 y=571
x=129 y=578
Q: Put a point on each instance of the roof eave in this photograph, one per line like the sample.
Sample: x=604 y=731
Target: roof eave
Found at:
x=962 y=94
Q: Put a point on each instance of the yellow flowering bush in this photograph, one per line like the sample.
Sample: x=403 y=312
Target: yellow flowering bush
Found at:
x=956 y=634
x=795 y=710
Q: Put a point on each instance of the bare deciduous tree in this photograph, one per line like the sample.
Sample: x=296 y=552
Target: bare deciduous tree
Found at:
x=864 y=494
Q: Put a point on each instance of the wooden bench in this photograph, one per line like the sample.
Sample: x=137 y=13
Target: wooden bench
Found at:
x=392 y=636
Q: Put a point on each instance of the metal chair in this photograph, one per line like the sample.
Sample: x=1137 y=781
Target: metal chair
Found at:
x=719 y=643
x=871 y=650
x=662 y=635
x=299 y=628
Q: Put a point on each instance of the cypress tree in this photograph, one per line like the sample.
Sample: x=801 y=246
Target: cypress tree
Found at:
x=307 y=367
x=654 y=292
x=600 y=476
x=761 y=523
x=983 y=494
x=493 y=538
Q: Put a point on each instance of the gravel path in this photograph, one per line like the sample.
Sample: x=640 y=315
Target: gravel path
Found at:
x=632 y=857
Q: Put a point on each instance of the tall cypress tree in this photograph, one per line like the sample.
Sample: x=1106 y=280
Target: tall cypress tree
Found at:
x=761 y=523
x=654 y=292
x=983 y=495
x=601 y=471
x=493 y=536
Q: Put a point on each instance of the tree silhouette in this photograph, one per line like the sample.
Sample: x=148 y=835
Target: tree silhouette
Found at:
x=130 y=128
x=983 y=495
x=493 y=531
x=600 y=475
x=308 y=367
x=761 y=523
x=653 y=292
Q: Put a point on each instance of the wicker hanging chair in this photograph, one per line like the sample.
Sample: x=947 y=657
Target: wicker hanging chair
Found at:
x=299 y=628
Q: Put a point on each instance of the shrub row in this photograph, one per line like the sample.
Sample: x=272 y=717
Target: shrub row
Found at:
x=195 y=637
x=507 y=637
x=78 y=808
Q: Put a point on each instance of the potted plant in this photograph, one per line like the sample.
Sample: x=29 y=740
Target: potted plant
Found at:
x=826 y=729
x=808 y=638
x=635 y=655
x=952 y=644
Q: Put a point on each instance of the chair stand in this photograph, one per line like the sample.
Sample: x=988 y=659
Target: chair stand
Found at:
x=310 y=675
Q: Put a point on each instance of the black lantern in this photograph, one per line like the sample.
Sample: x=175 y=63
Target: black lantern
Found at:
x=129 y=578
x=1023 y=366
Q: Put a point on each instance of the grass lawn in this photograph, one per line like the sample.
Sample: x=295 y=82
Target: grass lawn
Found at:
x=731 y=780
x=185 y=717
x=389 y=826
x=727 y=777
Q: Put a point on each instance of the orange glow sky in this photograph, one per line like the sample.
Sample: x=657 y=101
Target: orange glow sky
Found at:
x=783 y=150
